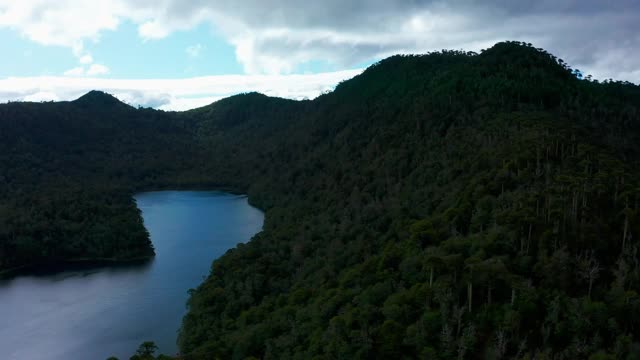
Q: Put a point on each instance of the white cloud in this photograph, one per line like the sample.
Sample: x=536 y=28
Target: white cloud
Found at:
x=97 y=69
x=62 y=22
x=194 y=50
x=152 y=30
x=278 y=36
x=86 y=59
x=76 y=71
x=42 y=96
x=171 y=94
x=90 y=70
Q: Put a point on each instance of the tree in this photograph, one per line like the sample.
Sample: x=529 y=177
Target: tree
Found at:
x=588 y=268
x=145 y=351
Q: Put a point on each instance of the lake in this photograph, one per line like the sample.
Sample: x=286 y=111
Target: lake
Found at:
x=97 y=312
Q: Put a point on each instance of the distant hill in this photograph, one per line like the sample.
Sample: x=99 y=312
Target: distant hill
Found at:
x=69 y=170
x=447 y=205
x=98 y=99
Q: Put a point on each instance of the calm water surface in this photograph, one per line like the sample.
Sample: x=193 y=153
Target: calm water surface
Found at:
x=94 y=313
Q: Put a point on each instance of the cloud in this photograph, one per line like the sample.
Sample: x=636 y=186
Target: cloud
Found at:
x=97 y=69
x=86 y=59
x=599 y=37
x=76 y=71
x=152 y=30
x=171 y=94
x=63 y=22
x=91 y=70
x=194 y=50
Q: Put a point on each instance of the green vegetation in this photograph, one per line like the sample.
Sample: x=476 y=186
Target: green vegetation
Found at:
x=68 y=172
x=448 y=205
x=146 y=351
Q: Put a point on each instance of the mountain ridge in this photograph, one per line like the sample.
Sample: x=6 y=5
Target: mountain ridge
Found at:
x=97 y=98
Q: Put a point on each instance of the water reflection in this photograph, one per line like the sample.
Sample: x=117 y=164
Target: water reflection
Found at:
x=92 y=311
x=58 y=272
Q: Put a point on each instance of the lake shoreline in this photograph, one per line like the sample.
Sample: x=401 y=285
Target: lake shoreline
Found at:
x=93 y=308
x=15 y=271
x=62 y=265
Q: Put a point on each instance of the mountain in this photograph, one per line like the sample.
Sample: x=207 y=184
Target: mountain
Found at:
x=98 y=99
x=447 y=205
x=69 y=170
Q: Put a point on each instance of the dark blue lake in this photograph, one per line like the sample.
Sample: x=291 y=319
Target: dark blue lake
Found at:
x=97 y=312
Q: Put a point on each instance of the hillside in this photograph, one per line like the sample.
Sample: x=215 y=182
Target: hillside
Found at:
x=448 y=205
x=68 y=172
x=443 y=205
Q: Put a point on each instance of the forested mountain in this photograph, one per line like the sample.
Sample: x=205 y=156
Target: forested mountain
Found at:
x=448 y=205
x=68 y=172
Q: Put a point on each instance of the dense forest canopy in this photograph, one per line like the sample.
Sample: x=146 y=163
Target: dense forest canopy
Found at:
x=447 y=205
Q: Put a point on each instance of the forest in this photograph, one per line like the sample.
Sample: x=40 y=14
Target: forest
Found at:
x=452 y=205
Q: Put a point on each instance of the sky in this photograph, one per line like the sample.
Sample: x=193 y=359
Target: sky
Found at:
x=182 y=54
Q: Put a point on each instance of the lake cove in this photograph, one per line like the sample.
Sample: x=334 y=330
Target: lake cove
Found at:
x=89 y=312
